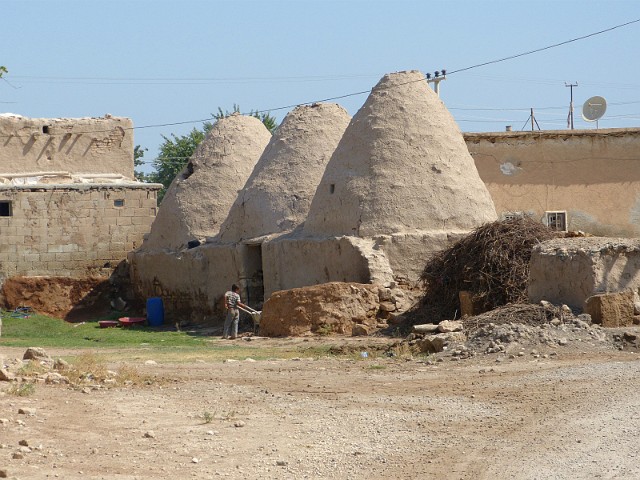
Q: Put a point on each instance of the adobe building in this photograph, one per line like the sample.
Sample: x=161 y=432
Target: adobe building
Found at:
x=586 y=180
x=194 y=207
x=278 y=194
x=69 y=204
x=400 y=186
x=198 y=200
x=275 y=199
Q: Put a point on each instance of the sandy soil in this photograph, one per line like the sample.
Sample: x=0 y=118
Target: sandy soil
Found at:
x=569 y=416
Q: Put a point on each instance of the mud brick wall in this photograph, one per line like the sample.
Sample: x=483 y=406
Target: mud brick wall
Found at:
x=592 y=175
x=71 y=231
x=76 y=145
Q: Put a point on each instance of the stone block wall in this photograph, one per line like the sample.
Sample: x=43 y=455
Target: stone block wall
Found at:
x=72 y=230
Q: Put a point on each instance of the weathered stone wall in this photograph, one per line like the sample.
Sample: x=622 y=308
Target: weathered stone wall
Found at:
x=593 y=175
x=191 y=283
x=78 y=145
x=72 y=230
x=573 y=269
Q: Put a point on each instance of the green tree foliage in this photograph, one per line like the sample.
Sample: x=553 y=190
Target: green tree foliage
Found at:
x=176 y=150
x=138 y=153
x=3 y=70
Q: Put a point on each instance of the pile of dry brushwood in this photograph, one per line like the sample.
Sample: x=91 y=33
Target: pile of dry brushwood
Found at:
x=492 y=263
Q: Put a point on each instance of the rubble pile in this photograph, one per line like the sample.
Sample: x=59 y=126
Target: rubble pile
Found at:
x=492 y=263
x=515 y=330
x=38 y=367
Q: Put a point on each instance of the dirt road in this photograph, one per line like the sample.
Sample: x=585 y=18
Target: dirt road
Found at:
x=567 y=417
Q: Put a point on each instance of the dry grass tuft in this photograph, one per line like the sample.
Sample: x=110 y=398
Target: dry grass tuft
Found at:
x=22 y=389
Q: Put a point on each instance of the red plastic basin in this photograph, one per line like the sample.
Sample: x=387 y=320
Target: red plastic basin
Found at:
x=107 y=323
x=130 y=321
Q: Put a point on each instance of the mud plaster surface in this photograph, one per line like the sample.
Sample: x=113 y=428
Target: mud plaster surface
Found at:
x=278 y=194
x=197 y=203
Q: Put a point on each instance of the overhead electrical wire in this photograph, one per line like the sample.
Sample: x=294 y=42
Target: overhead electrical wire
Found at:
x=353 y=94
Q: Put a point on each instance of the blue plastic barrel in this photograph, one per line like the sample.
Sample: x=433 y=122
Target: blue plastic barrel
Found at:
x=155 y=312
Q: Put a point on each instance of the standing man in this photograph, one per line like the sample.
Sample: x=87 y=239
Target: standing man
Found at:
x=231 y=303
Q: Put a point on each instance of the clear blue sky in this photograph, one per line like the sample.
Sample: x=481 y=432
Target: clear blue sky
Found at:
x=159 y=61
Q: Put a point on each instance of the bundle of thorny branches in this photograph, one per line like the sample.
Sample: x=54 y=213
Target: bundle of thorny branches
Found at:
x=492 y=263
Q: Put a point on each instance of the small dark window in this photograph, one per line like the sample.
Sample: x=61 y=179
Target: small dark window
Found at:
x=119 y=202
x=5 y=208
x=332 y=188
x=45 y=129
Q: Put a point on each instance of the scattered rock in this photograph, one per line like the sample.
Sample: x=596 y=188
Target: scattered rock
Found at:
x=150 y=434
x=396 y=318
x=17 y=456
x=27 y=411
x=150 y=362
x=239 y=424
x=282 y=463
x=55 y=378
x=449 y=326
x=6 y=376
x=425 y=328
x=23 y=443
x=60 y=364
x=436 y=343
x=359 y=330
x=195 y=460
x=38 y=354
x=387 y=307
x=4 y=473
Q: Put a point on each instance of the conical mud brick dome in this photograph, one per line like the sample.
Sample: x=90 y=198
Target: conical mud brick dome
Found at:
x=401 y=166
x=278 y=194
x=199 y=198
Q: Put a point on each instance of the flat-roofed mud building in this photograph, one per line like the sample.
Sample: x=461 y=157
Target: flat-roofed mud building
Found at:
x=69 y=204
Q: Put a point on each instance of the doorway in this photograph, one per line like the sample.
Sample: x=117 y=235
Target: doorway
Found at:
x=254 y=281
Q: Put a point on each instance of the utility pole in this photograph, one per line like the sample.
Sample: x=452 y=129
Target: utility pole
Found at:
x=532 y=119
x=436 y=80
x=570 y=117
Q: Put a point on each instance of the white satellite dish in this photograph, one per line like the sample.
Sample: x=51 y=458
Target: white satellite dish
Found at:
x=594 y=108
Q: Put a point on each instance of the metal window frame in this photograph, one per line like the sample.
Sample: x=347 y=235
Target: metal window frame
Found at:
x=557 y=212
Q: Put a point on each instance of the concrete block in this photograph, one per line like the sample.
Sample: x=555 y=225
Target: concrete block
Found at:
x=63 y=257
x=31 y=258
x=611 y=309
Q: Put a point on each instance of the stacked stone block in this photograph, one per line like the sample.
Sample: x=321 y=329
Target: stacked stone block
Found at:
x=73 y=230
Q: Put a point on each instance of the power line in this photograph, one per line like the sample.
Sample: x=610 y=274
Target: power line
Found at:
x=548 y=47
x=339 y=97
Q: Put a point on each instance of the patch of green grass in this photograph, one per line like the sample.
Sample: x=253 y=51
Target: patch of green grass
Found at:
x=140 y=343
x=53 y=332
